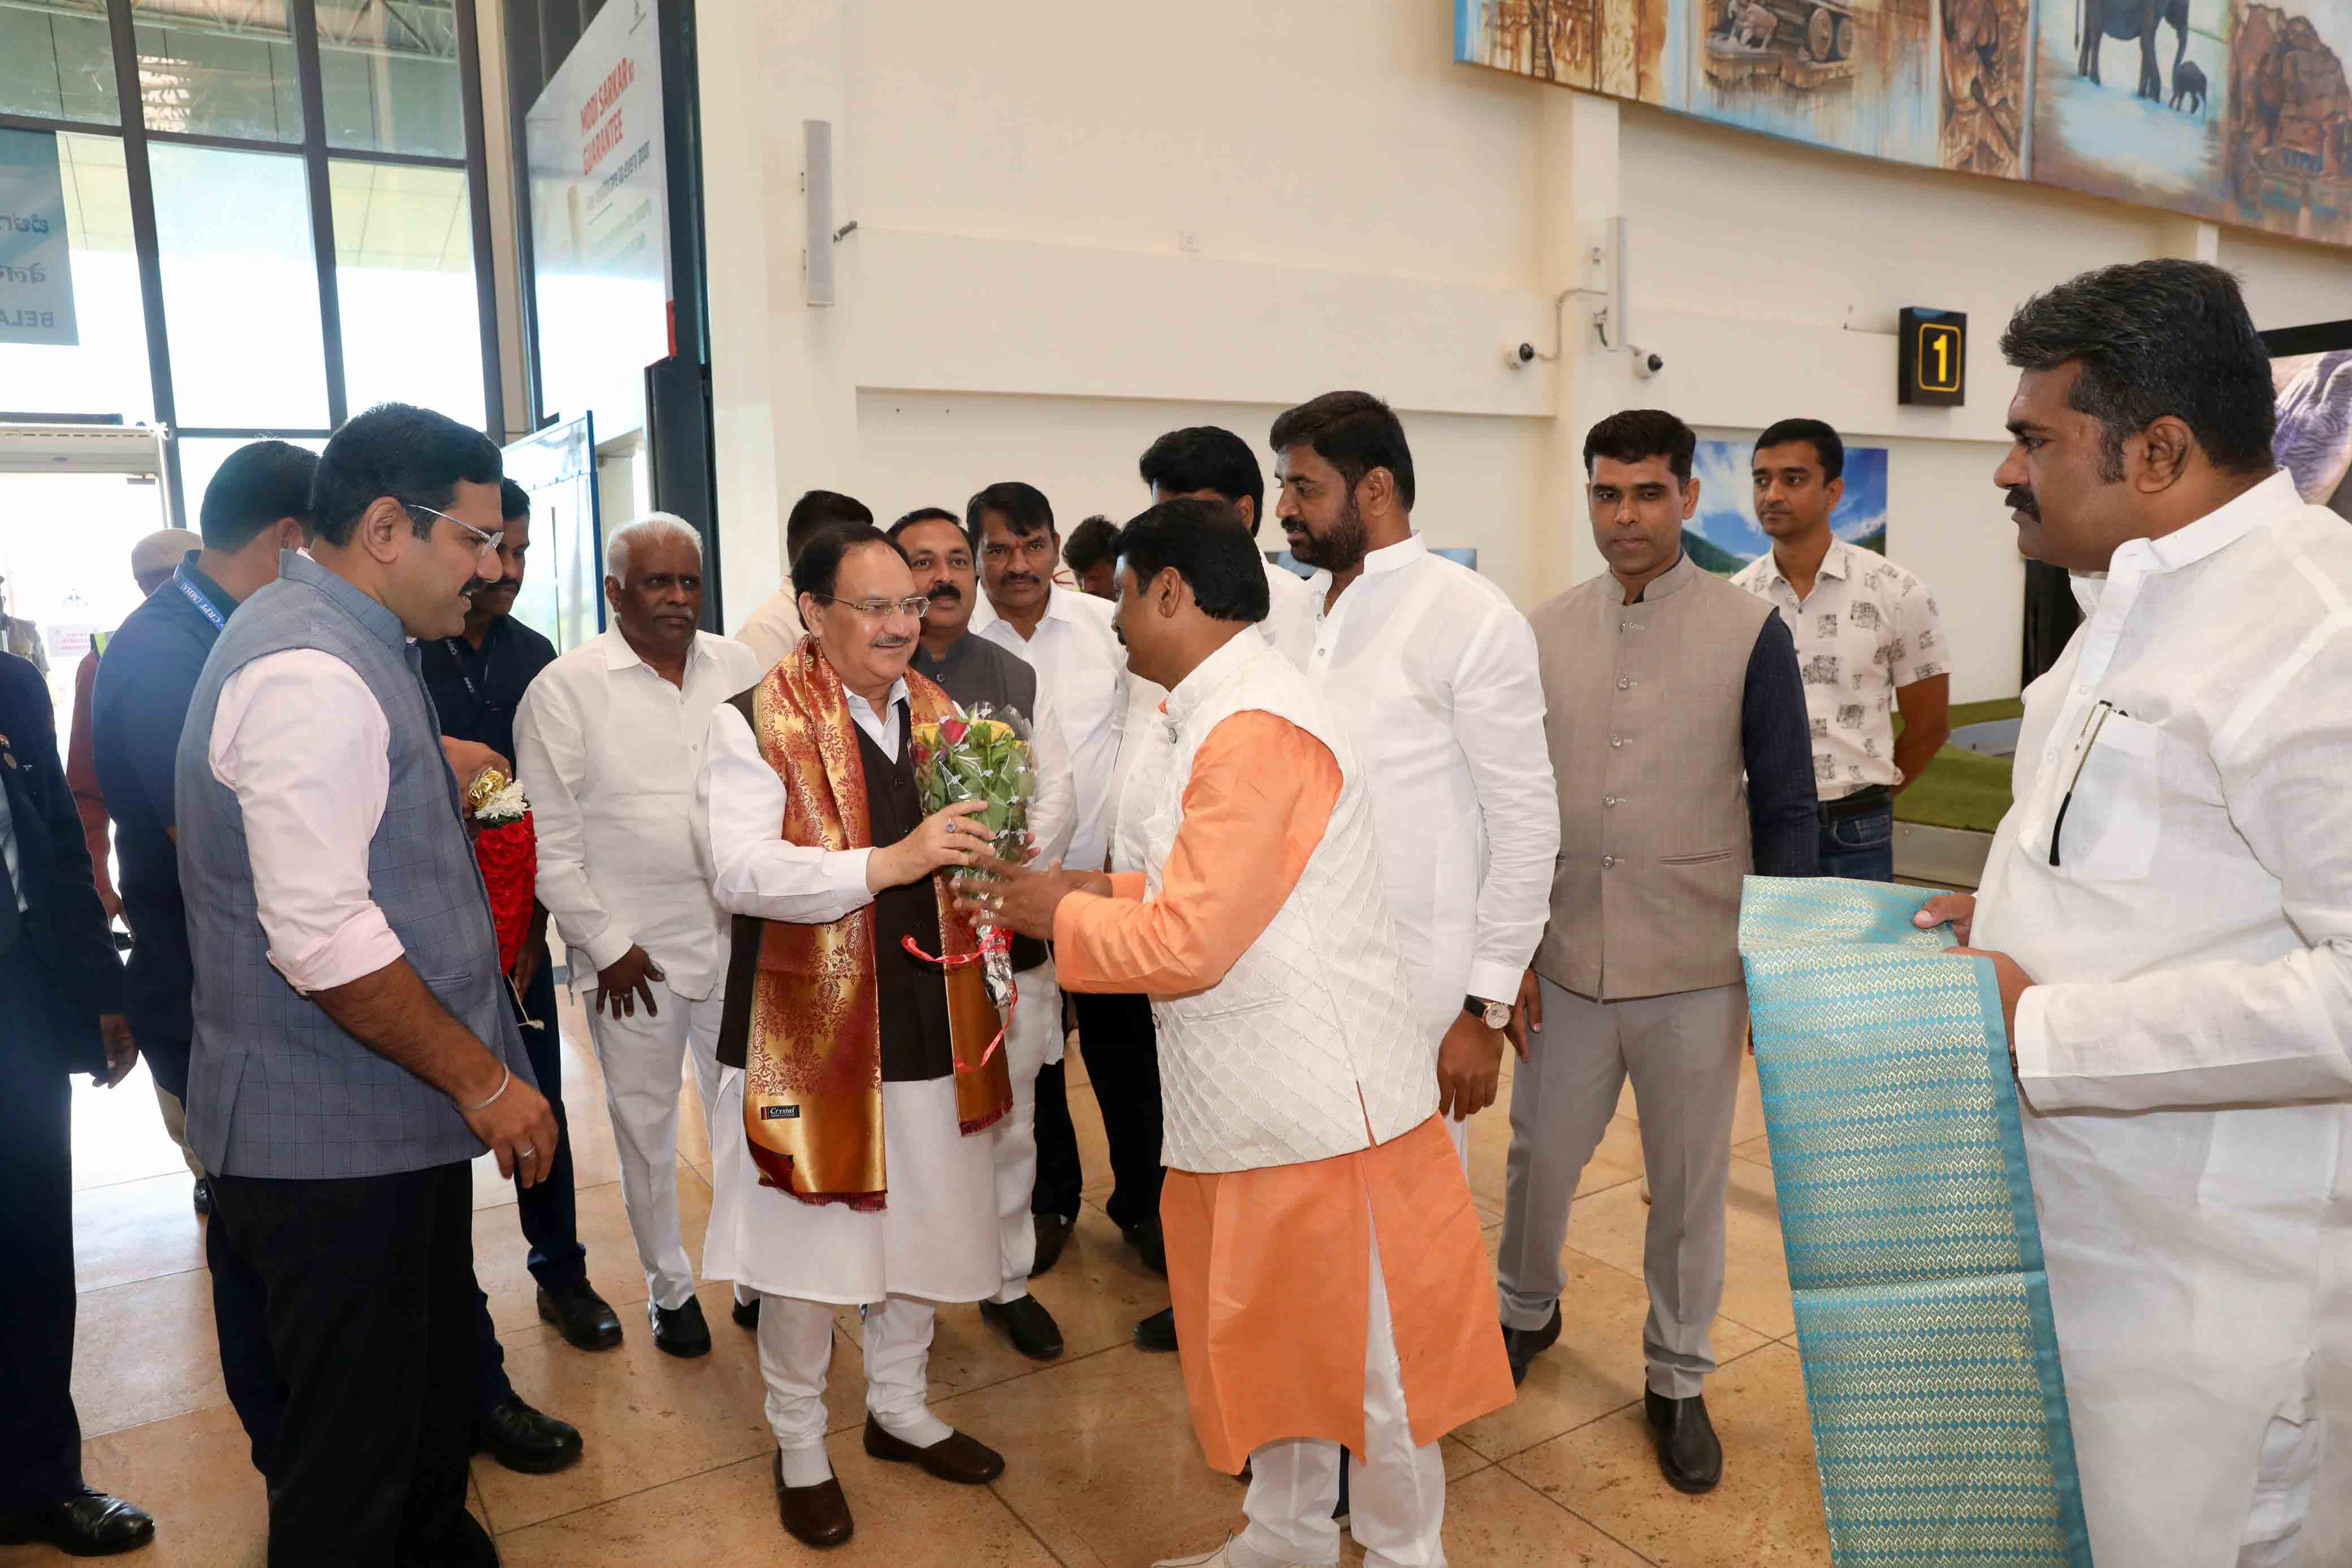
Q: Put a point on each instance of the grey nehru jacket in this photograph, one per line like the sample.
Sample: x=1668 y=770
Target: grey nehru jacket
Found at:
x=277 y=1088
x=1682 y=754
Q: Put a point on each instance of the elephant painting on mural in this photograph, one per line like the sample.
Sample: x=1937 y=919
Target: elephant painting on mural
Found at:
x=2095 y=21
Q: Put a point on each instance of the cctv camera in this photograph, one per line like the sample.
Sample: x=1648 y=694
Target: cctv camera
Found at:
x=1647 y=364
x=1520 y=356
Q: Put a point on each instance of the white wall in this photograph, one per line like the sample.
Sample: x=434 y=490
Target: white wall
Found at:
x=1080 y=226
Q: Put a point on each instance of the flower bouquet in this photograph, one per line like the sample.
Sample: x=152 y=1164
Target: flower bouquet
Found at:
x=983 y=756
x=505 y=847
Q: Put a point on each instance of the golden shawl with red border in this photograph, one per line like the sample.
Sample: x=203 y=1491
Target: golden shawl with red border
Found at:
x=812 y=1058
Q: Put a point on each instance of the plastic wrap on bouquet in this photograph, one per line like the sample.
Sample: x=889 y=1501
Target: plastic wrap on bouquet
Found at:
x=985 y=756
x=506 y=848
x=1923 y=1312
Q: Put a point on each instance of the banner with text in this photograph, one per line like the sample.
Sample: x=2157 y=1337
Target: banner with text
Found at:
x=37 y=300
x=600 y=222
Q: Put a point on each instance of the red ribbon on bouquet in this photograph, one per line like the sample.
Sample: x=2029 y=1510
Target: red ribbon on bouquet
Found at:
x=992 y=941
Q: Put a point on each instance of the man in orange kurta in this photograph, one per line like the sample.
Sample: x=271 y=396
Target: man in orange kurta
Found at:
x=1329 y=1280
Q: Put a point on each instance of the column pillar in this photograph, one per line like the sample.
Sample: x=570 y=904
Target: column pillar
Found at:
x=1577 y=168
x=783 y=400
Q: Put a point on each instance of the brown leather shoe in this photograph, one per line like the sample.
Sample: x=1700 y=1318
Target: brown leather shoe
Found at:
x=814 y=1516
x=956 y=1458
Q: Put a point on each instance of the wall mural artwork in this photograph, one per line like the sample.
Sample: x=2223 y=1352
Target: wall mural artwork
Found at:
x=1723 y=535
x=2230 y=110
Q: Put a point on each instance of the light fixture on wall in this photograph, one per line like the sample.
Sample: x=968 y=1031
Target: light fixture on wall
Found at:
x=816 y=189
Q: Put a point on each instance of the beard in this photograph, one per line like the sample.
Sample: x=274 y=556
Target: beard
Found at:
x=1340 y=547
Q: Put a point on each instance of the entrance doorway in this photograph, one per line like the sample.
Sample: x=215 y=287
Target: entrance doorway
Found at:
x=74 y=499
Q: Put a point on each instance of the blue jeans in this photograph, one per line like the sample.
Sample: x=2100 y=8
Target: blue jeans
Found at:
x=1861 y=847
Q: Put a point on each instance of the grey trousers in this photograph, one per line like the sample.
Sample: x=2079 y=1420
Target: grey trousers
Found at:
x=1683 y=1054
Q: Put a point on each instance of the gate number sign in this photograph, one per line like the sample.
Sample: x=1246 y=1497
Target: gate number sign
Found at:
x=1933 y=360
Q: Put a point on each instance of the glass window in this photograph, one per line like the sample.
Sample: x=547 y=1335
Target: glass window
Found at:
x=106 y=372
x=201 y=459
x=389 y=70
x=56 y=60
x=404 y=277
x=202 y=72
x=240 y=286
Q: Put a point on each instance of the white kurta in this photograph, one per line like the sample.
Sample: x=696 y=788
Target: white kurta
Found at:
x=936 y=1238
x=1082 y=674
x=1432 y=672
x=2183 y=1059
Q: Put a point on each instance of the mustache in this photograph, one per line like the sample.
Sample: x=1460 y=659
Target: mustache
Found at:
x=944 y=591
x=2021 y=500
x=1011 y=578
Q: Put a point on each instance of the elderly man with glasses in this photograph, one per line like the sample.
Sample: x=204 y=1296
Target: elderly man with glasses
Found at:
x=863 y=1060
x=607 y=743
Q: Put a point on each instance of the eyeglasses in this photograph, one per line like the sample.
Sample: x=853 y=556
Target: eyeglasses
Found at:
x=876 y=609
x=484 y=544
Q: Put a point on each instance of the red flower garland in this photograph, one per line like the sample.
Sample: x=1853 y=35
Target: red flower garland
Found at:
x=508 y=856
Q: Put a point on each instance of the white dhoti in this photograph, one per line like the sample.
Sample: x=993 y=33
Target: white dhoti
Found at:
x=935 y=1239
x=1033 y=1040
x=643 y=1060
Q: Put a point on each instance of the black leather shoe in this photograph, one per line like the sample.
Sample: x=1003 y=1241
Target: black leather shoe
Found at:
x=1027 y=1323
x=747 y=1314
x=1158 y=1332
x=203 y=1195
x=1523 y=1345
x=1689 y=1453
x=681 y=1330
x=87 y=1524
x=958 y=1457
x=528 y=1442
x=814 y=1516
x=1053 y=1235
x=1149 y=1244
x=585 y=1319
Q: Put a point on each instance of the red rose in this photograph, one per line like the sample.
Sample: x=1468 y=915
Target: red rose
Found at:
x=953 y=729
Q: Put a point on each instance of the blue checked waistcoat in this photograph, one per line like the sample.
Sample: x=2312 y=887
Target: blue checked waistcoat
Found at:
x=275 y=1088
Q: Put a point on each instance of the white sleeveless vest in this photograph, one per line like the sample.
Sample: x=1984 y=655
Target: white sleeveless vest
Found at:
x=1311 y=1033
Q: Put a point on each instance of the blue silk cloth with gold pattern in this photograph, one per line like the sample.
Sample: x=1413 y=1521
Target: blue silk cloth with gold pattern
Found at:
x=1923 y=1314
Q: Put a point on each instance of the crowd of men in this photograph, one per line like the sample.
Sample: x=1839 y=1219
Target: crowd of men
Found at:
x=1309 y=853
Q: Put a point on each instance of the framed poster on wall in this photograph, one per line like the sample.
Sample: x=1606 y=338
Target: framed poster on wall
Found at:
x=2311 y=374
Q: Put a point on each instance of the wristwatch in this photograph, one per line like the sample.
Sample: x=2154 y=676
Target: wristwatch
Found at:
x=1494 y=1015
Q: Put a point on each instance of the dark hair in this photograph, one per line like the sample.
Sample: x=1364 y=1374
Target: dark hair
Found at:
x=2155 y=338
x=413 y=455
x=1355 y=433
x=924 y=515
x=1024 y=509
x=818 y=566
x=1209 y=457
x=514 y=501
x=1208 y=546
x=1638 y=433
x=1090 y=544
x=259 y=485
x=1829 y=450
x=820 y=509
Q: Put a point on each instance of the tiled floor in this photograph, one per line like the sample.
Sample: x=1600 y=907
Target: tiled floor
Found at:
x=1102 y=1472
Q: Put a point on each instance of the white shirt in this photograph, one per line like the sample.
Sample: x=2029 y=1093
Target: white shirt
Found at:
x=2183 y=1059
x=740 y=810
x=607 y=752
x=1868 y=629
x=307 y=749
x=1283 y=586
x=8 y=854
x=774 y=629
x=1081 y=663
x=1433 y=671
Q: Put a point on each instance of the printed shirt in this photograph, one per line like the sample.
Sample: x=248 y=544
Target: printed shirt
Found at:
x=1868 y=629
